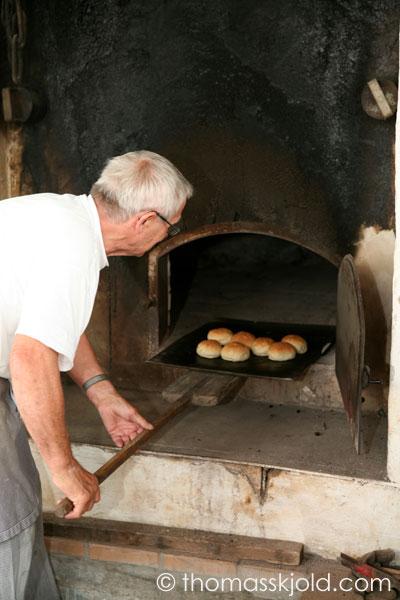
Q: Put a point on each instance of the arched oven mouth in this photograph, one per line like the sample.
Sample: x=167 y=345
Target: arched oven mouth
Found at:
x=236 y=275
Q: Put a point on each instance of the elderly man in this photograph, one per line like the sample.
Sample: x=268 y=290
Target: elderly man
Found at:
x=53 y=248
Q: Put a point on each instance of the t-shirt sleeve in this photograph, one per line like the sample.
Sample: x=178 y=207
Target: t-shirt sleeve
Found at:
x=56 y=308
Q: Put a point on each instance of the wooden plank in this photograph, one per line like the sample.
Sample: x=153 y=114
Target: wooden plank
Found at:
x=217 y=389
x=183 y=385
x=202 y=544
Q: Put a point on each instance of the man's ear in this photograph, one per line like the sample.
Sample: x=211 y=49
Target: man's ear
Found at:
x=138 y=220
x=145 y=217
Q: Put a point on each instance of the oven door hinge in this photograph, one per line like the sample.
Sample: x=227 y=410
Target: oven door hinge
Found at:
x=366 y=378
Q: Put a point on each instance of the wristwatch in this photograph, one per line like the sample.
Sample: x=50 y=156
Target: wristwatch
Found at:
x=93 y=380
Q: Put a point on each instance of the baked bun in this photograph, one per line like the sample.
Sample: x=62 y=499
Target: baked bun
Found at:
x=235 y=352
x=244 y=338
x=281 y=351
x=261 y=346
x=298 y=342
x=221 y=335
x=209 y=349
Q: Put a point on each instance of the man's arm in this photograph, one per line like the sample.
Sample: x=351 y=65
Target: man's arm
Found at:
x=86 y=366
x=38 y=393
x=122 y=421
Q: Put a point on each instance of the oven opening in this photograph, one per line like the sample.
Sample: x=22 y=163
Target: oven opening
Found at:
x=255 y=278
x=249 y=277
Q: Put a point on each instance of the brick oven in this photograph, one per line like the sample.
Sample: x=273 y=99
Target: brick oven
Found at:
x=292 y=222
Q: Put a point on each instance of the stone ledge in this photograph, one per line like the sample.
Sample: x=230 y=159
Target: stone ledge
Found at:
x=197 y=571
x=186 y=553
x=171 y=561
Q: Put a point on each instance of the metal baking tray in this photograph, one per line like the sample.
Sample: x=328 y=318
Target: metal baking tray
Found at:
x=182 y=352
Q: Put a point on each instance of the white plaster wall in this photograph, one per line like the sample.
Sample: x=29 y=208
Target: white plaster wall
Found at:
x=374 y=258
x=375 y=254
x=328 y=514
x=394 y=390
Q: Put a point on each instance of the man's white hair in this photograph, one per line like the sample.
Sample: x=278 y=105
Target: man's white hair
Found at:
x=138 y=181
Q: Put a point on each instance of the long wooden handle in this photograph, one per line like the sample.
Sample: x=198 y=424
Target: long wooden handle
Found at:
x=65 y=506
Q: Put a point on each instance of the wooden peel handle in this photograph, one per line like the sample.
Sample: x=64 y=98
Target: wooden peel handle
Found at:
x=63 y=508
x=66 y=505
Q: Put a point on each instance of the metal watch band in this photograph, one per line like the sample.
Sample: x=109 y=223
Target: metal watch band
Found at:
x=93 y=380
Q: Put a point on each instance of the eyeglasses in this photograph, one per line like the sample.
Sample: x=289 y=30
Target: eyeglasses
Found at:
x=172 y=229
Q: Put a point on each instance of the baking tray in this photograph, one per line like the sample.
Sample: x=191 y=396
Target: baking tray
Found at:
x=182 y=352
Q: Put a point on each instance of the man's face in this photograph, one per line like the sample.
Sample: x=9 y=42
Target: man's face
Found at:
x=151 y=231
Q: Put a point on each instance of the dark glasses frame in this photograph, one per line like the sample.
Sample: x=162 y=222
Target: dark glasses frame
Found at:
x=172 y=229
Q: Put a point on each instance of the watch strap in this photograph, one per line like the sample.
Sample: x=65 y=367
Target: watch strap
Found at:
x=93 y=380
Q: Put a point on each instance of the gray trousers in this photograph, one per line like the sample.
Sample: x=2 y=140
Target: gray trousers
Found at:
x=25 y=571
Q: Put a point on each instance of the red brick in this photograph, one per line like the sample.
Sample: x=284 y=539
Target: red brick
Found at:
x=194 y=564
x=58 y=545
x=257 y=569
x=123 y=554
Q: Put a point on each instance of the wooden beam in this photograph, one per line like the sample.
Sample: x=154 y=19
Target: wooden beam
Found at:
x=206 y=389
x=380 y=98
x=183 y=385
x=204 y=544
x=11 y=163
x=217 y=389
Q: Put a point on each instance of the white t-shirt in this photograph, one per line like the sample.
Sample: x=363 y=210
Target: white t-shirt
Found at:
x=51 y=252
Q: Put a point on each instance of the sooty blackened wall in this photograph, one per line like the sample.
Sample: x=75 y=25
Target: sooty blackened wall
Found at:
x=258 y=103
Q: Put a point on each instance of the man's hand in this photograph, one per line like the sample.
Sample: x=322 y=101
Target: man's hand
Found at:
x=122 y=421
x=80 y=486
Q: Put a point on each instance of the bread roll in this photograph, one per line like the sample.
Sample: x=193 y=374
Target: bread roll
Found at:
x=261 y=346
x=281 y=351
x=244 y=338
x=235 y=352
x=209 y=349
x=221 y=335
x=298 y=342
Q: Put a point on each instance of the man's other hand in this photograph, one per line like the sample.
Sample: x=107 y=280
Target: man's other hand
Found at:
x=122 y=421
x=80 y=486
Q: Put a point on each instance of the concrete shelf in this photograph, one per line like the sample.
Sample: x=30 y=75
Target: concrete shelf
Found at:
x=247 y=432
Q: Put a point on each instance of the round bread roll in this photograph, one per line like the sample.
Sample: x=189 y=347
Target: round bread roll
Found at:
x=221 y=335
x=261 y=346
x=209 y=349
x=281 y=351
x=298 y=342
x=244 y=338
x=235 y=352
